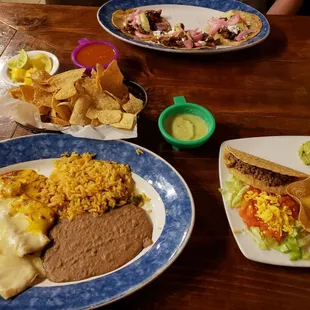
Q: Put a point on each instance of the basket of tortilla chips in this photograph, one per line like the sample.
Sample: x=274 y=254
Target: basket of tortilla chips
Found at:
x=73 y=98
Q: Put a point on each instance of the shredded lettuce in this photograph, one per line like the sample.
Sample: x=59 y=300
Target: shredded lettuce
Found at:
x=297 y=245
x=234 y=191
x=293 y=245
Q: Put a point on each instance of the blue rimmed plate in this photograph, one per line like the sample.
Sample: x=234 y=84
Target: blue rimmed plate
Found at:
x=171 y=211
x=192 y=13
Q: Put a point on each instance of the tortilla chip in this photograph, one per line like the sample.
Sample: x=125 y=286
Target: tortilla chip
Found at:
x=16 y=93
x=53 y=113
x=95 y=122
x=78 y=116
x=59 y=121
x=300 y=191
x=67 y=91
x=27 y=93
x=112 y=81
x=64 y=110
x=89 y=86
x=134 y=105
x=78 y=85
x=121 y=101
x=93 y=74
x=99 y=74
x=127 y=122
x=46 y=87
x=42 y=98
x=92 y=113
x=40 y=77
x=72 y=100
x=65 y=78
x=105 y=102
x=44 y=110
x=108 y=117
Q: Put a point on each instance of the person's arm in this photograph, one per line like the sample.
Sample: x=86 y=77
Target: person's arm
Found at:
x=285 y=7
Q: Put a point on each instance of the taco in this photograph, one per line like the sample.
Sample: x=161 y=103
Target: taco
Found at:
x=187 y=39
x=234 y=27
x=140 y=24
x=257 y=189
x=260 y=173
x=150 y=26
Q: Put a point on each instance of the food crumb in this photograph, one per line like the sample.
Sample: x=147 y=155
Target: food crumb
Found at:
x=139 y=152
x=167 y=211
x=149 y=211
x=236 y=231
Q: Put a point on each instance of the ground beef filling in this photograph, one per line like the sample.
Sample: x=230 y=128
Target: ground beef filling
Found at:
x=268 y=177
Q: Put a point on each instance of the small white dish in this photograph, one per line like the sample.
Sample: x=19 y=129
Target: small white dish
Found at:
x=279 y=149
x=4 y=69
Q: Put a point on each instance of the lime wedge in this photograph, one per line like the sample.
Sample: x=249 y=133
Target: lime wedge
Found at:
x=19 y=61
x=41 y=62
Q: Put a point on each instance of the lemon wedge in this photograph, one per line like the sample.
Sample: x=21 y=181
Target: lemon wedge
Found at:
x=19 y=61
x=41 y=62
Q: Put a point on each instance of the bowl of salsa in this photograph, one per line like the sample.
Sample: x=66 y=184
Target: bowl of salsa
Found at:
x=89 y=53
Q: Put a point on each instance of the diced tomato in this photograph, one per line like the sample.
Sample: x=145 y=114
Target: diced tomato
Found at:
x=290 y=203
x=248 y=211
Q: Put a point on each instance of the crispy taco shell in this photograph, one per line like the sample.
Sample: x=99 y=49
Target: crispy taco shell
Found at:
x=300 y=191
x=254 y=22
x=119 y=19
x=264 y=164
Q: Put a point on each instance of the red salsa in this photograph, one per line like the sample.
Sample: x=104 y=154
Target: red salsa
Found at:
x=92 y=54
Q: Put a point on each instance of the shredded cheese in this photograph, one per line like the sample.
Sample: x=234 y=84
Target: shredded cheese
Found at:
x=277 y=218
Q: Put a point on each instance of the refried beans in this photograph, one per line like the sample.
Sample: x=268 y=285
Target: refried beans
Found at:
x=93 y=245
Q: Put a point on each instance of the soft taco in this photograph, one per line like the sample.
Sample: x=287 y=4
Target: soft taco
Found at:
x=140 y=24
x=260 y=173
x=234 y=27
x=149 y=25
x=187 y=39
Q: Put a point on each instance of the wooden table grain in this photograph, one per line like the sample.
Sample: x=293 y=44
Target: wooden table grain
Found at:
x=262 y=91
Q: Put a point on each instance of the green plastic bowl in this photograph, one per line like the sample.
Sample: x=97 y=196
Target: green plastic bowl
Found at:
x=182 y=107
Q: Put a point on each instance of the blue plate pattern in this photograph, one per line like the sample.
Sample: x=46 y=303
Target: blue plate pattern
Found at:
x=178 y=227
x=104 y=16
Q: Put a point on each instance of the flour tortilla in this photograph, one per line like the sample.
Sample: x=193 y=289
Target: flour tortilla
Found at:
x=119 y=19
x=261 y=163
x=254 y=22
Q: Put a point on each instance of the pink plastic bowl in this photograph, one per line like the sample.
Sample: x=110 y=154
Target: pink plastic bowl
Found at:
x=85 y=42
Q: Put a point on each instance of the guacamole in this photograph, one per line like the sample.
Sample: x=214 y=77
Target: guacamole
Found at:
x=186 y=127
x=304 y=153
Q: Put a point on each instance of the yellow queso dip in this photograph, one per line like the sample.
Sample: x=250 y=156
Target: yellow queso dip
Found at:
x=186 y=127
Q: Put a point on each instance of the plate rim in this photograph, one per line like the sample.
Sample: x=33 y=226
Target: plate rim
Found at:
x=179 y=250
x=226 y=208
x=179 y=51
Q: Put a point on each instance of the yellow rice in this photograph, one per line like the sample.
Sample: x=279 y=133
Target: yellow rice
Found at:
x=80 y=184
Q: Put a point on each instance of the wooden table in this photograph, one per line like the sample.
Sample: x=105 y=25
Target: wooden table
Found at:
x=261 y=91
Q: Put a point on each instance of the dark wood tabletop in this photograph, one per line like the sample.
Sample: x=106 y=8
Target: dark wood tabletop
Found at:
x=261 y=91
